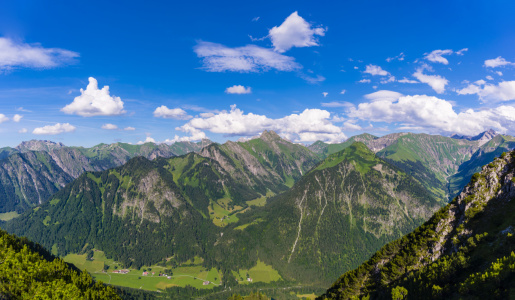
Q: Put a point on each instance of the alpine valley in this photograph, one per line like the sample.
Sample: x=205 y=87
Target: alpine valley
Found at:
x=207 y=220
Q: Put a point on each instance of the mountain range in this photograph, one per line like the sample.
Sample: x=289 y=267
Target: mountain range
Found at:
x=308 y=213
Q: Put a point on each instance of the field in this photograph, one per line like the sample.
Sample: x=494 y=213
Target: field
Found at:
x=193 y=275
x=8 y=215
x=220 y=212
x=260 y=273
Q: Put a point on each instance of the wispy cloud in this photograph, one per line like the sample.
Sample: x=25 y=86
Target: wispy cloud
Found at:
x=21 y=55
x=250 y=58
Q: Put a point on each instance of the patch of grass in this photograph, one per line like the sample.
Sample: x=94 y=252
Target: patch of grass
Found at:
x=9 y=215
x=241 y=227
x=259 y=273
x=47 y=220
x=54 y=201
x=308 y=296
x=221 y=216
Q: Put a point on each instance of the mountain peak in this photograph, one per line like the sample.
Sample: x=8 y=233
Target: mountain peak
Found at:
x=39 y=145
x=483 y=137
x=270 y=135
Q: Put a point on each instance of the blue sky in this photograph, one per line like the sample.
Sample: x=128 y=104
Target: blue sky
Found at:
x=310 y=71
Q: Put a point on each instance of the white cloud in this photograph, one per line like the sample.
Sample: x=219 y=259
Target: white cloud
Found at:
x=499 y=73
x=504 y=91
x=343 y=92
x=383 y=95
x=23 y=109
x=435 y=115
x=375 y=70
x=309 y=125
x=109 y=126
x=17 y=118
x=351 y=126
x=255 y=19
x=390 y=79
x=95 y=102
x=250 y=58
x=238 y=89
x=437 y=56
x=54 y=129
x=206 y=115
x=436 y=82
x=13 y=54
x=294 y=32
x=497 y=62
x=462 y=51
x=406 y=80
x=325 y=94
x=365 y=81
x=311 y=79
x=399 y=57
x=489 y=77
x=337 y=104
x=194 y=135
x=23 y=130
x=129 y=128
x=147 y=140
x=173 y=113
x=3 y=118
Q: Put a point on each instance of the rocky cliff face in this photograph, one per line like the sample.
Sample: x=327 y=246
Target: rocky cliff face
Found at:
x=455 y=254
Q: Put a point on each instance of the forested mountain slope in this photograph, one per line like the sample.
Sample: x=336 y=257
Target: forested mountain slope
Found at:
x=34 y=170
x=464 y=251
x=139 y=213
x=27 y=271
x=332 y=219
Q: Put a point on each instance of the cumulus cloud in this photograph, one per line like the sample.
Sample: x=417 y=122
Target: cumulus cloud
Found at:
x=294 y=32
x=194 y=135
x=3 y=118
x=375 y=70
x=109 y=126
x=325 y=94
x=238 y=89
x=435 y=115
x=504 y=91
x=365 y=81
x=437 y=56
x=95 y=102
x=497 y=62
x=307 y=126
x=489 y=77
x=54 y=129
x=129 y=128
x=499 y=73
x=343 y=92
x=13 y=55
x=23 y=130
x=17 y=118
x=250 y=58
x=436 y=82
x=147 y=140
x=171 y=113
